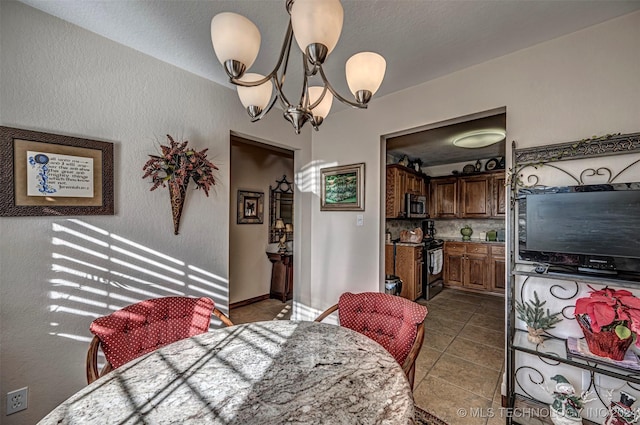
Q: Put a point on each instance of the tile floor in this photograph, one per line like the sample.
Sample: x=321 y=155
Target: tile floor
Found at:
x=460 y=367
x=268 y=309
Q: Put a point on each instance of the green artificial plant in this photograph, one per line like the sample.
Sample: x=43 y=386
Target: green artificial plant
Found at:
x=536 y=317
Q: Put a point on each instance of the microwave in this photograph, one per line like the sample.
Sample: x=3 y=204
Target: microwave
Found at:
x=415 y=206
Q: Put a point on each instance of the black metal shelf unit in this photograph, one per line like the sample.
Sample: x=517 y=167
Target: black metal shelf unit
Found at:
x=554 y=350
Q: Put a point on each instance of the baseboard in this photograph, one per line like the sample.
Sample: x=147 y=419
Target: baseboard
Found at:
x=249 y=301
x=475 y=291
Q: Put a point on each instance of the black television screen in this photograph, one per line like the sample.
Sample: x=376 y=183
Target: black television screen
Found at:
x=588 y=223
x=573 y=225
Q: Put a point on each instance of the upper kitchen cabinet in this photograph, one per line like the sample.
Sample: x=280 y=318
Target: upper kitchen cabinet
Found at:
x=415 y=184
x=400 y=181
x=475 y=196
x=444 y=197
x=498 y=208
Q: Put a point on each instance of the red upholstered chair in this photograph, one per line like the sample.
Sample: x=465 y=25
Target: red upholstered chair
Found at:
x=146 y=326
x=394 y=322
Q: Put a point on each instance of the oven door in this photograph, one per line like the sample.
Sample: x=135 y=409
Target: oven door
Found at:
x=432 y=272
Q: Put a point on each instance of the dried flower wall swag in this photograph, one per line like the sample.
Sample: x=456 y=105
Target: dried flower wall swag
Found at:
x=175 y=168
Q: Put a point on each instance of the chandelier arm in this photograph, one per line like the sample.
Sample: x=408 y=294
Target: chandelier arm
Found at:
x=284 y=57
x=279 y=93
x=336 y=94
x=310 y=69
x=304 y=95
x=317 y=102
x=284 y=54
x=278 y=82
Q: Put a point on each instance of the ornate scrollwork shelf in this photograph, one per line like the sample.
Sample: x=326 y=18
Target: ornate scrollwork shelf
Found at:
x=528 y=167
x=577 y=277
x=555 y=349
x=587 y=148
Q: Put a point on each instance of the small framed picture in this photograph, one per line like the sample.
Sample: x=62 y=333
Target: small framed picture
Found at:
x=250 y=207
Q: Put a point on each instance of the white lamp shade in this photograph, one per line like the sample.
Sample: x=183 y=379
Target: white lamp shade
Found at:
x=322 y=110
x=235 y=37
x=255 y=96
x=365 y=71
x=317 y=21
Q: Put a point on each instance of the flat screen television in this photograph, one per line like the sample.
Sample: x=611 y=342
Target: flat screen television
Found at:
x=591 y=229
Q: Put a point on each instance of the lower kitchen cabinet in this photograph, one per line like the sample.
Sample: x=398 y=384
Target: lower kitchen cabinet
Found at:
x=476 y=266
x=408 y=267
x=497 y=269
x=454 y=263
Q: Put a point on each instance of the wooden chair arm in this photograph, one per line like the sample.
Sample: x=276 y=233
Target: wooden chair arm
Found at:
x=326 y=313
x=92 y=362
x=223 y=318
x=409 y=363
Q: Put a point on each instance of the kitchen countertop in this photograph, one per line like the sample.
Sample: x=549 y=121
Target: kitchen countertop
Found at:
x=406 y=243
x=475 y=240
x=447 y=240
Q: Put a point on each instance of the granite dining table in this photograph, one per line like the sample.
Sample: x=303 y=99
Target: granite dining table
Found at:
x=276 y=372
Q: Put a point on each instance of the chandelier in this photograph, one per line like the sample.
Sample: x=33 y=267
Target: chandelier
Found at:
x=316 y=25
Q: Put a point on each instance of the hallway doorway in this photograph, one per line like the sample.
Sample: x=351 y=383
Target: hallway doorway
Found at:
x=254 y=168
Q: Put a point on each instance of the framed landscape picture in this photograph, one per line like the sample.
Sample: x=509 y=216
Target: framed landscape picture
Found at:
x=342 y=188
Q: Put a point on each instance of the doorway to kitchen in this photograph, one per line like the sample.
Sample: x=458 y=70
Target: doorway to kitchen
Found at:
x=256 y=169
x=444 y=210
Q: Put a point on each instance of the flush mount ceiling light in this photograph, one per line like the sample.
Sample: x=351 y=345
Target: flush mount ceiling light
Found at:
x=479 y=138
x=316 y=25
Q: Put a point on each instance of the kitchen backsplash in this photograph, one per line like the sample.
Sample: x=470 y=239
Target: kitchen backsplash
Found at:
x=397 y=226
x=449 y=228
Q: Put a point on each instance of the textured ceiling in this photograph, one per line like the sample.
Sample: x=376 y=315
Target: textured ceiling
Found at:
x=420 y=39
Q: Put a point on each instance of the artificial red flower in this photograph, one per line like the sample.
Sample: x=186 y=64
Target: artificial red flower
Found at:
x=610 y=308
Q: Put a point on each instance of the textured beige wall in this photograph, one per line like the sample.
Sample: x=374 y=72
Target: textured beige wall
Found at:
x=58 y=273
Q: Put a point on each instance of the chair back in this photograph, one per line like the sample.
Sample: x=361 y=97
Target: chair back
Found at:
x=146 y=326
x=389 y=320
x=395 y=323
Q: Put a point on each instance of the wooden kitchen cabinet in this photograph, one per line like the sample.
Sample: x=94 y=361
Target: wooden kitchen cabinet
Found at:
x=415 y=184
x=475 y=196
x=409 y=264
x=466 y=264
x=444 y=197
x=453 y=263
x=497 y=269
x=401 y=180
x=498 y=207
x=281 y=276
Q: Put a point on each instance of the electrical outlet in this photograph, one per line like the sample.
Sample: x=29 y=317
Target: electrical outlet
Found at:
x=17 y=400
